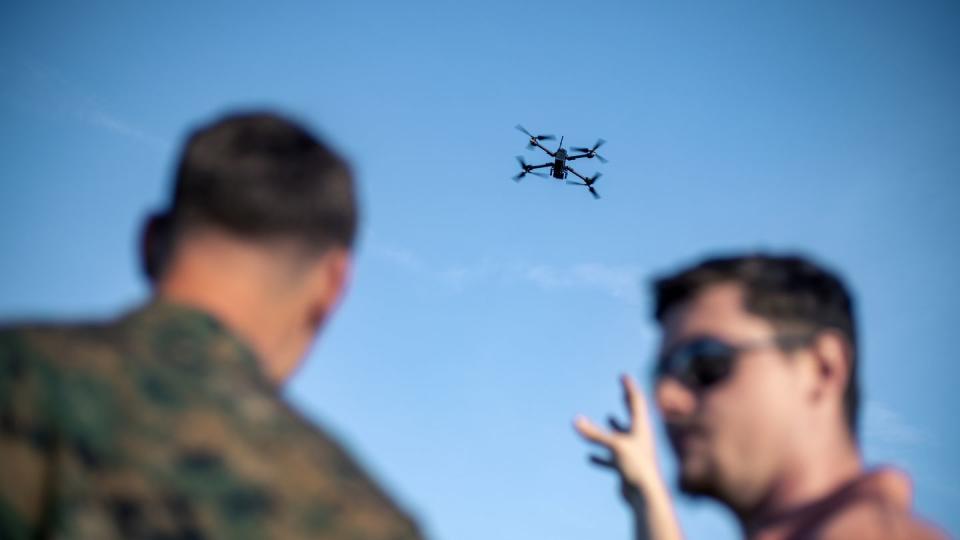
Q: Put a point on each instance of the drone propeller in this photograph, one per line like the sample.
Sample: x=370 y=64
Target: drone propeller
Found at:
x=589 y=188
x=532 y=136
x=592 y=152
x=589 y=183
x=526 y=170
x=524 y=173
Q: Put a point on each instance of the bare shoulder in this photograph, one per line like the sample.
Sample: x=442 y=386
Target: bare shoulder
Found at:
x=874 y=519
x=878 y=507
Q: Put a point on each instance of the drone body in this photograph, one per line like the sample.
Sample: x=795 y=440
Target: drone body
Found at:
x=559 y=168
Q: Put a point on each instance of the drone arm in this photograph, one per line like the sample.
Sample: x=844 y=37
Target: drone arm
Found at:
x=532 y=167
x=578 y=175
x=578 y=156
x=540 y=146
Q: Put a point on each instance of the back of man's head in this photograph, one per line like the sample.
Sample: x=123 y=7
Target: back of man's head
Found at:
x=264 y=178
x=258 y=233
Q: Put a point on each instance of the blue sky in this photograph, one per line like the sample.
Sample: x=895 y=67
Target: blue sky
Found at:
x=484 y=314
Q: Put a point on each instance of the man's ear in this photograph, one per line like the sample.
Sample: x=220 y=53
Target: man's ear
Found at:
x=156 y=242
x=832 y=362
x=328 y=280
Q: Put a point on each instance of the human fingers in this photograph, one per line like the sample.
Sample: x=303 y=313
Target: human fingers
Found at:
x=617 y=425
x=600 y=461
x=590 y=431
x=635 y=400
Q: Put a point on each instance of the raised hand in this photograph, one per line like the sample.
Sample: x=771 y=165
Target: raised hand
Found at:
x=632 y=454
x=630 y=446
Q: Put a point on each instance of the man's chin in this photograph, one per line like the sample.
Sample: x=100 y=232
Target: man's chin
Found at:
x=695 y=483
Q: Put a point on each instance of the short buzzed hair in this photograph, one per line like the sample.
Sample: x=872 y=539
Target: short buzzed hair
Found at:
x=790 y=291
x=260 y=176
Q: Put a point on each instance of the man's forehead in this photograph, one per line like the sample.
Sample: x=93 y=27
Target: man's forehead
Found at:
x=716 y=311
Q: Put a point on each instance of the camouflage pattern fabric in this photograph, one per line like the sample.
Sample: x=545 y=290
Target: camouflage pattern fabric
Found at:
x=161 y=425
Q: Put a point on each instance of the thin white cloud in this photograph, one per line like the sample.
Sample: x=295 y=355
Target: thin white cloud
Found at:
x=885 y=427
x=43 y=90
x=620 y=282
x=111 y=123
x=403 y=258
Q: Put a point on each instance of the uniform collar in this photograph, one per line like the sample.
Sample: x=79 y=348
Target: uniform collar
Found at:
x=190 y=337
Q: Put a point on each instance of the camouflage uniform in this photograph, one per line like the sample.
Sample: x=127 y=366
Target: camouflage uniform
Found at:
x=162 y=425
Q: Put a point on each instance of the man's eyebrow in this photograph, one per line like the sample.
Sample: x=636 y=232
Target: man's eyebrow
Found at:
x=666 y=345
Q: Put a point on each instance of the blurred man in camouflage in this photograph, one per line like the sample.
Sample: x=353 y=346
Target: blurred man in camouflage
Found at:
x=168 y=422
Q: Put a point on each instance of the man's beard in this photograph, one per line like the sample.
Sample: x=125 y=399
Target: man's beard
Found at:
x=697 y=483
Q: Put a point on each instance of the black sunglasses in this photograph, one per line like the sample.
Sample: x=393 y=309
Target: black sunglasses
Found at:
x=703 y=362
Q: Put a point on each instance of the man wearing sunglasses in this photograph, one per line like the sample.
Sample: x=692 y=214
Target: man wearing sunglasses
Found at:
x=756 y=381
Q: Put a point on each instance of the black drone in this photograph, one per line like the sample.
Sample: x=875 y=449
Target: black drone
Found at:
x=559 y=167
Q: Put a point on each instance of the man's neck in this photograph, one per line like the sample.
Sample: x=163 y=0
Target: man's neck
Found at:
x=810 y=478
x=233 y=283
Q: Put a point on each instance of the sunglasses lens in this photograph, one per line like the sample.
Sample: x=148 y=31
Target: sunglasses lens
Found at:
x=711 y=364
x=699 y=364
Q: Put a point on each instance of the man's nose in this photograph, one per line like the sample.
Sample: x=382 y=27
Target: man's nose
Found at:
x=675 y=400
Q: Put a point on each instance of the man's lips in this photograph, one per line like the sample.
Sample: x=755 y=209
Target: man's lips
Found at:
x=683 y=438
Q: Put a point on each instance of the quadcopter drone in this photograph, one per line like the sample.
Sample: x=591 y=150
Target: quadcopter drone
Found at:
x=559 y=167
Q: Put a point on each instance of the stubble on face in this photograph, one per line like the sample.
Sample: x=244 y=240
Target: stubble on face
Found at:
x=728 y=442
